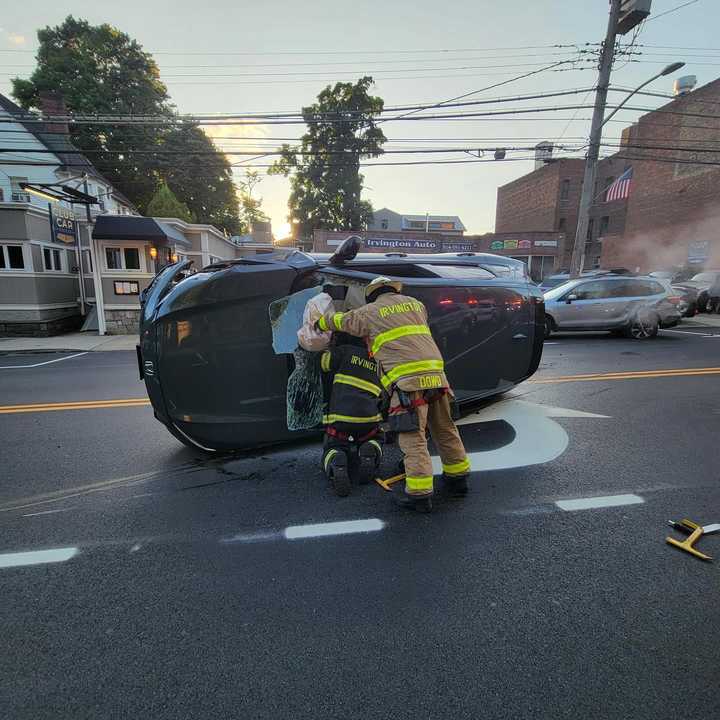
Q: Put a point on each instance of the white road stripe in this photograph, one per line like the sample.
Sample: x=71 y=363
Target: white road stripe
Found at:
x=49 y=512
x=688 y=332
x=602 y=501
x=37 y=557
x=47 y=362
x=252 y=537
x=296 y=532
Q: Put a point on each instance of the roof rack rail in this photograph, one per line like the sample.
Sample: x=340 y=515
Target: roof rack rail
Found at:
x=466 y=254
x=396 y=254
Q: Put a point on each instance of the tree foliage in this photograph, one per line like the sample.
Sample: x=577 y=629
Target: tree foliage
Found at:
x=326 y=183
x=250 y=206
x=101 y=70
x=165 y=204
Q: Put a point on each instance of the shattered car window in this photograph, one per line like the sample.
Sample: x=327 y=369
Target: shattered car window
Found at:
x=304 y=389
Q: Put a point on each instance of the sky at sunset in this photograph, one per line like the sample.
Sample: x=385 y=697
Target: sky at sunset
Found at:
x=234 y=57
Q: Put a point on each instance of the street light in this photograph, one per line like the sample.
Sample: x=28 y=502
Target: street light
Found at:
x=593 y=153
x=667 y=70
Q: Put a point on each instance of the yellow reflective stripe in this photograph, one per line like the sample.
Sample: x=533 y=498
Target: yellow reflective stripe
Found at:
x=377 y=445
x=358 y=383
x=322 y=323
x=325 y=361
x=411 y=368
x=457 y=468
x=328 y=458
x=327 y=419
x=419 y=482
x=398 y=332
x=337 y=320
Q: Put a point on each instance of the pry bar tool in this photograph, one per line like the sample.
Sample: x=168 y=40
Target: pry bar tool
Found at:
x=696 y=532
x=385 y=484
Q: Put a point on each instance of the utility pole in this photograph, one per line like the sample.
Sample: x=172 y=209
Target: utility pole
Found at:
x=588 y=188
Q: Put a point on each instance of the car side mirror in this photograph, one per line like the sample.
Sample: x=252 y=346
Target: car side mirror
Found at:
x=569 y=298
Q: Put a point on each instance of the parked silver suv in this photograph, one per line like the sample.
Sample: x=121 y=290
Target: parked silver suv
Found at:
x=636 y=306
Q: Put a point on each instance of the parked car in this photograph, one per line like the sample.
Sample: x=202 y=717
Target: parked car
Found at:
x=206 y=350
x=673 y=275
x=636 y=306
x=687 y=300
x=701 y=282
x=552 y=281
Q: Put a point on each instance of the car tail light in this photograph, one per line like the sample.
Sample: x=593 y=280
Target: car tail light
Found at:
x=446 y=301
x=675 y=299
x=473 y=301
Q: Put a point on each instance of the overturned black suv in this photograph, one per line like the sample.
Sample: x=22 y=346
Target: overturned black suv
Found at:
x=206 y=339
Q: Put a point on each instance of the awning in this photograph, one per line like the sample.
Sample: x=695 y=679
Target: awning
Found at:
x=131 y=227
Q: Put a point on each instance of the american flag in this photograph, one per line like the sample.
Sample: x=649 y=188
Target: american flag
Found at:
x=620 y=189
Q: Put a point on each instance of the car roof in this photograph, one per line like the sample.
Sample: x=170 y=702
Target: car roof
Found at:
x=395 y=258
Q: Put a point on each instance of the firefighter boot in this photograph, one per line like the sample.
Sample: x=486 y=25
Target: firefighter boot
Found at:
x=418 y=503
x=455 y=485
x=369 y=457
x=336 y=469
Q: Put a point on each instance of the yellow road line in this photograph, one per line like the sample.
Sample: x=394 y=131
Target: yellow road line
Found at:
x=143 y=402
x=630 y=375
x=79 y=405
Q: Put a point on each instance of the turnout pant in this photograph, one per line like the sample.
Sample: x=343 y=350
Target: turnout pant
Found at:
x=437 y=417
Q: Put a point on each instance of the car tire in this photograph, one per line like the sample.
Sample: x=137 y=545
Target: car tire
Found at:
x=548 y=326
x=643 y=329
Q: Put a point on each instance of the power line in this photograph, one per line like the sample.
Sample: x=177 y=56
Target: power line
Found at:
x=672 y=10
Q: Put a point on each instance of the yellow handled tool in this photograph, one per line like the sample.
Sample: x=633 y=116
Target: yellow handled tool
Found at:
x=696 y=532
x=385 y=484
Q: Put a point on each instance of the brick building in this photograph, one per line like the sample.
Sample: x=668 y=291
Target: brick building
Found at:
x=548 y=200
x=673 y=213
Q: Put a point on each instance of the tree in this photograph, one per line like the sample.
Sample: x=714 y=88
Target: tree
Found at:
x=165 y=204
x=250 y=207
x=200 y=176
x=101 y=70
x=326 y=183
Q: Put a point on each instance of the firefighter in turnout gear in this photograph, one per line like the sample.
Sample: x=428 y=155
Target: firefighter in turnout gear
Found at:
x=352 y=418
x=411 y=371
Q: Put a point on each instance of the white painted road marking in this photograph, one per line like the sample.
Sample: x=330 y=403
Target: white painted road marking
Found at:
x=49 y=512
x=603 y=501
x=37 y=557
x=688 y=332
x=347 y=527
x=47 y=362
x=252 y=537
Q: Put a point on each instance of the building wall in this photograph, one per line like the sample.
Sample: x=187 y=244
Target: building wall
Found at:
x=392 y=219
x=530 y=202
x=673 y=204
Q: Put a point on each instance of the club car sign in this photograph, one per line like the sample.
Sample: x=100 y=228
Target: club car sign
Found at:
x=62 y=225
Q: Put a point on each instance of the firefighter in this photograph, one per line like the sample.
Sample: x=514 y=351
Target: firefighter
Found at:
x=411 y=370
x=352 y=418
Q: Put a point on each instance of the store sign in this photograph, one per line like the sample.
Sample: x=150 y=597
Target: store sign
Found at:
x=63 y=227
x=496 y=245
x=458 y=247
x=698 y=252
x=546 y=243
x=524 y=244
x=403 y=244
x=510 y=245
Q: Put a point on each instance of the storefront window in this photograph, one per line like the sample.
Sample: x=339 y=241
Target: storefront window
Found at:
x=113 y=258
x=132 y=258
x=11 y=257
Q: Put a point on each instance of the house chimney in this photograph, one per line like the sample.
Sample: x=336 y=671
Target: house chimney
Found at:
x=52 y=105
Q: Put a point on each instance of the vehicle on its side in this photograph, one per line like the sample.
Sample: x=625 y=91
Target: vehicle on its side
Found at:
x=701 y=282
x=206 y=350
x=635 y=306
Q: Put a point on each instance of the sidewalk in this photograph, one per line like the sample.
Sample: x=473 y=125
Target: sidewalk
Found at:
x=76 y=342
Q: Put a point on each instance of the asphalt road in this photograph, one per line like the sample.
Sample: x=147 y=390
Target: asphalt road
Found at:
x=177 y=586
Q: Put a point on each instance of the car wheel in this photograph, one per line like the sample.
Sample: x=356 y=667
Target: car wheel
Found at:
x=548 y=326
x=643 y=328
